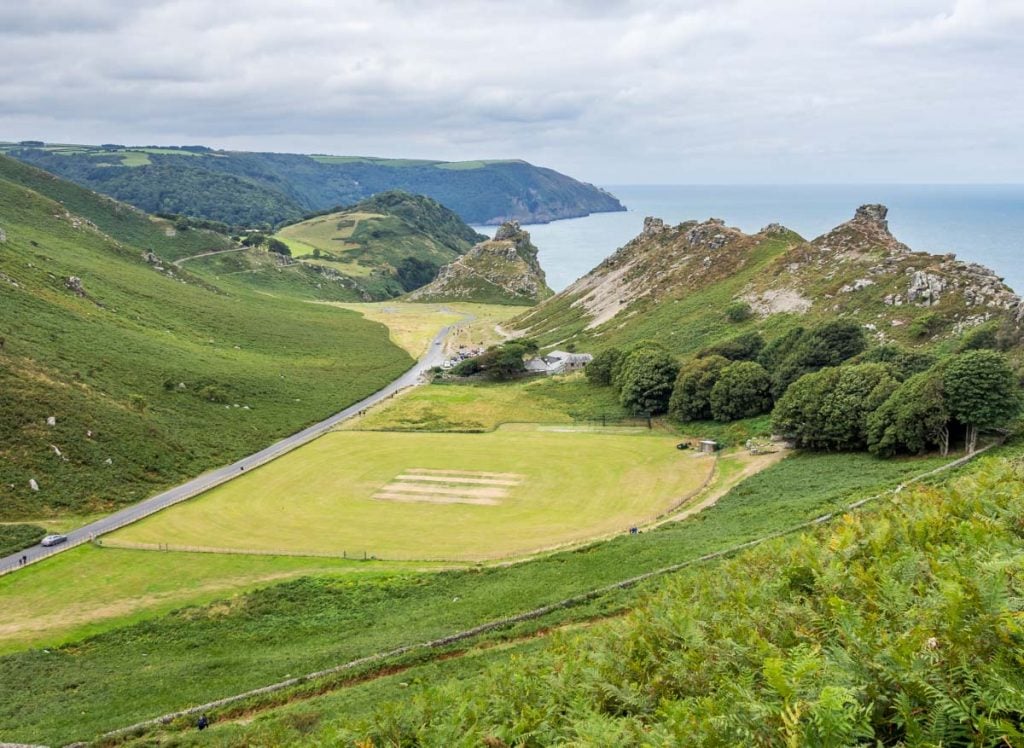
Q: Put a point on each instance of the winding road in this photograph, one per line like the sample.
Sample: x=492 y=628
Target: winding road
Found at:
x=433 y=357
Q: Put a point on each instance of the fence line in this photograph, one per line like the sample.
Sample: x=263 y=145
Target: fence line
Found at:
x=529 y=615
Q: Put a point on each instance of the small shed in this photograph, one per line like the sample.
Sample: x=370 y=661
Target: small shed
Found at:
x=708 y=446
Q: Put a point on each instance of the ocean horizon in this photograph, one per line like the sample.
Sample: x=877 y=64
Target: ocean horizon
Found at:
x=981 y=223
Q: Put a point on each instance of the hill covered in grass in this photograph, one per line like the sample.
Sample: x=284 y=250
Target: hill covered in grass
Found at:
x=252 y=189
x=122 y=374
x=502 y=270
x=696 y=283
x=385 y=245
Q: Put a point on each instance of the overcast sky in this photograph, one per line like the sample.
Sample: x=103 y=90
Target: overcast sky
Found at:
x=608 y=91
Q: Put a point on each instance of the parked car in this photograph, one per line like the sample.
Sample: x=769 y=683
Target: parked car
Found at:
x=53 y=540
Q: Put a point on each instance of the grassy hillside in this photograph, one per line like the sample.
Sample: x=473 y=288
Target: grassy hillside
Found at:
x=151 y=374
x=120 y=221
x=247 y=189
x=899 y=627
x=199 y=653
x=384 y=246
x=678 y=285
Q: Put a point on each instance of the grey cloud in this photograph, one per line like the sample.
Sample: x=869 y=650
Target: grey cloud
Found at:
x=671 y=91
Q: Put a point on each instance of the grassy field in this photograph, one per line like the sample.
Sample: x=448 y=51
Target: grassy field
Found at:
x=412 y=326
x=485 y=406
x=88 y=590
x=200 y=653
x=486 y=496
x=329 y=234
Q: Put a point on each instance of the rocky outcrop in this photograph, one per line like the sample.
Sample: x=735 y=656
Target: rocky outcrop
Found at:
x=74 y=284
x=503 y=270
x=858 y=270
x=652 y=227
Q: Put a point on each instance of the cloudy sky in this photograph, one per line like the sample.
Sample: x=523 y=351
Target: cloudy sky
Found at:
x=614 y=92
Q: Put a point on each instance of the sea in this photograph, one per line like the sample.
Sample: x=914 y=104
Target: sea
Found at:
x=979 y=223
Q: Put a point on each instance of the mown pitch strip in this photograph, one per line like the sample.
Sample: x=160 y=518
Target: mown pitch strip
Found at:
x=435 y=496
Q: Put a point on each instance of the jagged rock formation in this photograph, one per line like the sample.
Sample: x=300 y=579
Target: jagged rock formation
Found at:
x=857 y=270
x=860 y=263
x=502 y=270
x=661 y=262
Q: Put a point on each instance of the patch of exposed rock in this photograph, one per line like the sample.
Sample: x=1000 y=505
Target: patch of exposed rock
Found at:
x=857 y=270
x=74 y=284
x=504 y=269
x=661 y=259
x=867 y=231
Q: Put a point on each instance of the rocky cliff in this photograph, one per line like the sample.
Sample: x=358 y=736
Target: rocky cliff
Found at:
x=502 y=270
x=674 y=283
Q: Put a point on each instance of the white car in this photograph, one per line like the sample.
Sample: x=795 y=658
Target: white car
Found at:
x=53 y=540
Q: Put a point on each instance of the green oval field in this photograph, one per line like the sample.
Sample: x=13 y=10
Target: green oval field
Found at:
x=436 y=495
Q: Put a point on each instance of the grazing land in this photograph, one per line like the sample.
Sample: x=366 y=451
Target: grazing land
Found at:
x=199 y=653
x=89 y=589
x=412 y=326
x=484 y=406
x=436 y=496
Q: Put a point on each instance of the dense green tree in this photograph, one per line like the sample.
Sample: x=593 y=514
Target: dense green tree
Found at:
x=829 y=344
x=858 y=392
x=903 y=362
x=914 y=418
x=743 y=390
x=646 y=379
x=413 y=272
x=745 y=347
x=599 y=371
x=617 y=364
x=691 y=394
x=779 y=349
x=500 y=362
x=279 y=247
x=829 y=408
x=981 y=391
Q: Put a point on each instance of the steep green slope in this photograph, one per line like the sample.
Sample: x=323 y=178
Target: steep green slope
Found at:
x=251 y=188
x=150 y=374
x=120 y=221
x=676 y=284
x=382 y=247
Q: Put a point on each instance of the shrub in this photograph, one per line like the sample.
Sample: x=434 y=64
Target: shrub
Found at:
x=745 y=347
x=738 y=311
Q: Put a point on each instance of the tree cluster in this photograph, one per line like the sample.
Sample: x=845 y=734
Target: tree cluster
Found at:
x=642 y=375
x=866 y=406
x=499 y=362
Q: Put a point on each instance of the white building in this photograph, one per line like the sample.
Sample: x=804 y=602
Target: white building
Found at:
x=558 y=362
